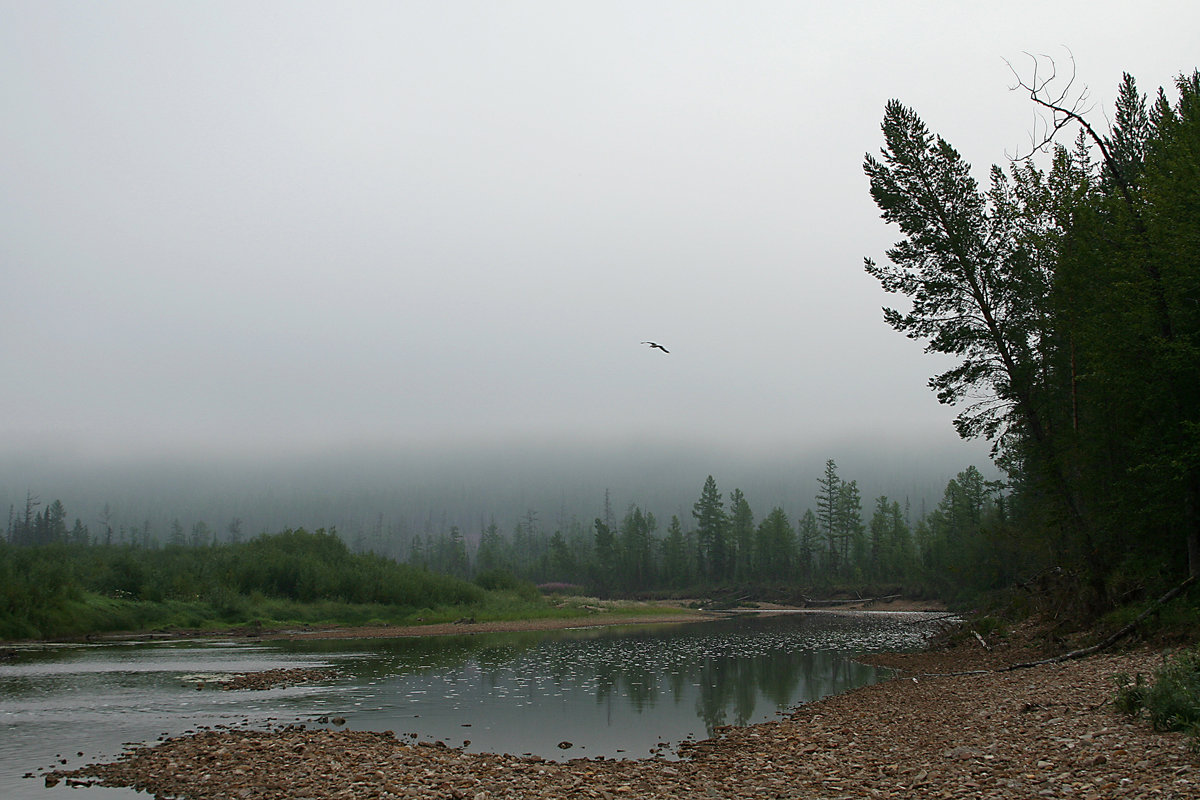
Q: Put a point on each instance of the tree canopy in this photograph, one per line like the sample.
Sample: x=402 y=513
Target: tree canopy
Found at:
x=1071 y=297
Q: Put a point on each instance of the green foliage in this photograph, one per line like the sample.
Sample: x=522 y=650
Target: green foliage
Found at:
x=712 y=531
x=976 y=287
x=65 y=589
x=1071 y=299
x=1171 y=699
x=498 y=580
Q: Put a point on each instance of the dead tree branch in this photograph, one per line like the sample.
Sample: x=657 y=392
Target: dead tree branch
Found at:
x=1064 y=112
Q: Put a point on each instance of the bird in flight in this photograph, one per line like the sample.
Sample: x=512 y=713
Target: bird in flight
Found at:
x=656 y=344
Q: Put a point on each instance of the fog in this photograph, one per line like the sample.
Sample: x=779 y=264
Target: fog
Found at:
x=396 y=494
x=260 y=254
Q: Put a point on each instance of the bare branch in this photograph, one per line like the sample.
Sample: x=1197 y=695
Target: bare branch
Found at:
x=1063 y=110
x=1062 y=116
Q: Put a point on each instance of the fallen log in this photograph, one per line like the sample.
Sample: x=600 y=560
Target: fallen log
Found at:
x=808 y=601
x=1114 y=638
x=1086 y=651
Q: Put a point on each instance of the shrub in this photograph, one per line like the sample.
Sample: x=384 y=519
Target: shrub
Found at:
x=1172 y=699
x=499 y=580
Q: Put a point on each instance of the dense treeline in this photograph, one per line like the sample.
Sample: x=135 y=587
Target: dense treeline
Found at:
x=723 y=543
x=1071 y=296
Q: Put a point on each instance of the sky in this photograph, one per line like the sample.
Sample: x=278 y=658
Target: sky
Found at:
x=239 y=230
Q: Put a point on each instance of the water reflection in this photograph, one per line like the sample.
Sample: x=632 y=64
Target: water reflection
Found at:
x=606 y=691
x=609 y=691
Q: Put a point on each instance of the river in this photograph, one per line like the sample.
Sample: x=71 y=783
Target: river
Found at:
x=622 y=692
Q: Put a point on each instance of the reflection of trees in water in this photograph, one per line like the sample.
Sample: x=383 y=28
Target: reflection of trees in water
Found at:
x=745 y=690
x=730 y=683
x=727 y=669
x=678 y=680
x=637 y=683
x=641 y=685
x=732 y=686
x=777 y=675
x=714 y=693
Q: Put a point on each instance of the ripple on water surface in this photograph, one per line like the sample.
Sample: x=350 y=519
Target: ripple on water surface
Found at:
x=608 y=692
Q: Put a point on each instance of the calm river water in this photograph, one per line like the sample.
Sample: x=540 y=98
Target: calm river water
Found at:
x=619 y=692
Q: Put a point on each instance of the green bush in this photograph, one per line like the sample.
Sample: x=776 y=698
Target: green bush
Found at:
x=500 y=580
x=1171 y=699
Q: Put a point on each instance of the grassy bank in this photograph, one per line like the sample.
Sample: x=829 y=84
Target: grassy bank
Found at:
x=91 y=613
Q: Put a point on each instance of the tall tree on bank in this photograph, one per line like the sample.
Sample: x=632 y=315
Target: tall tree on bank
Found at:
x=977 y=269
x=776 y=546
x=676 y=564
x=637 y=549
x=1073 y=302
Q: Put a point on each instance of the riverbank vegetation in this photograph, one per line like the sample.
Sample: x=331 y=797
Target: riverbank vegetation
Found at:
x=291 y=578
x=1170 y=697
x=58 y=579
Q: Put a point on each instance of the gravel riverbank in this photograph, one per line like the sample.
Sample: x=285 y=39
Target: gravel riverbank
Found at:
x=1048 y=731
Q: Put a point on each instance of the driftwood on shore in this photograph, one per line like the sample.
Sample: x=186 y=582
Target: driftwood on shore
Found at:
x=1084 y=652
x=1111 y=640
x=809 y=602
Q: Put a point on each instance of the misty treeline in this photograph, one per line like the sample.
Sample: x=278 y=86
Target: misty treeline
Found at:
x=725 y=543
x=722 y=543
x=1071 y=296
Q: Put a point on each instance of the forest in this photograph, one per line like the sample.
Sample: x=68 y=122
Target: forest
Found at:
x=723 y=542
x=722 y=549
x=1069 y=294
x=1067 y=290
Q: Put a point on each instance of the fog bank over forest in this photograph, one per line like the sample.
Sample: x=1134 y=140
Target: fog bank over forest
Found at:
x=398 y=492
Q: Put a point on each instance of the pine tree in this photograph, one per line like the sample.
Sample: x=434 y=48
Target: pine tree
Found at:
x=742 y=535
x=776 y=546
x=827 y=513
x=675 y=561
x=851 y=533
x=637 y=551
x=607 y=560
x=712 y=532
x=808 y=545
x=491 y=554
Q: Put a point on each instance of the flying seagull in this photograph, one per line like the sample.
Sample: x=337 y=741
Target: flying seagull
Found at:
x=659 y=346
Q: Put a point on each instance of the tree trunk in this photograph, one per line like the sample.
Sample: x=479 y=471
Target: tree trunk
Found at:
x=1191 y=522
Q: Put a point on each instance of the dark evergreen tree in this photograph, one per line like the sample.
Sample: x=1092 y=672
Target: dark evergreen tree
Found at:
x=741 y=535
x=828 y=496
x=492 y=552
x=637 y=549
x=776 y=547
x=676 y=565
x=979 y=287
x=808 y=545
x=607 y=562
x=712 y=532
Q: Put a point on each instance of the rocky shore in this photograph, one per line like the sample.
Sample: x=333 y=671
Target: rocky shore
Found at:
x=1048 y=731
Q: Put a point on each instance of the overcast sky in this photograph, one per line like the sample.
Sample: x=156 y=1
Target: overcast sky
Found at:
x=238 y=228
